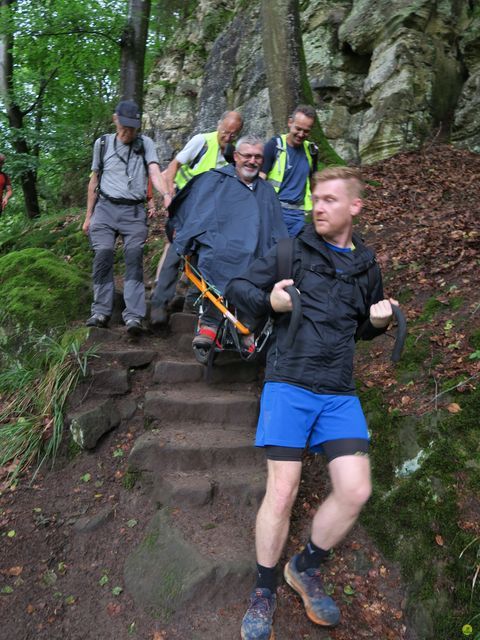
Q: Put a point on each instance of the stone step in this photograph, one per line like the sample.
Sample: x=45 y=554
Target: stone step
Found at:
x=173 y=371
x=204 y=404
x=183 y=323
x=183 y=342
x=234 y=370
x=157 y=453
x=99 y=336
x=110 y=381
x=92 y=420
x=167 y=570
x=196 y=489
x=130 y=358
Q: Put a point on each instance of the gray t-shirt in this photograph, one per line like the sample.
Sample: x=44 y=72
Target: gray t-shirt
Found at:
x=193 y=147
x=124 y=174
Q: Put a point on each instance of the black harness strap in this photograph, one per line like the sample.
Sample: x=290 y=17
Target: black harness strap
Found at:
x=285 y=258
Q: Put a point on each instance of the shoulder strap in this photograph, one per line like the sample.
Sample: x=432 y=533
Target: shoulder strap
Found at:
x=142 y=153
x=103 y=148
x=199 y=156
x=280 y=147
x=285 y=258
x=313 y=149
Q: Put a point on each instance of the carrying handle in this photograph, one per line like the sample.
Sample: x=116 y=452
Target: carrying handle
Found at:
x=401 y=332
x=296 y=315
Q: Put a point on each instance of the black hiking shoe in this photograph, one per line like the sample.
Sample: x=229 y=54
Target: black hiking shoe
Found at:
x=134 y=327
x=257 y=623
x=98 y=320
x=320 y=608
x=158 y=317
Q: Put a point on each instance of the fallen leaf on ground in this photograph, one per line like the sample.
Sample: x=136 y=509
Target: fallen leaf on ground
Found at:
x=454 y=407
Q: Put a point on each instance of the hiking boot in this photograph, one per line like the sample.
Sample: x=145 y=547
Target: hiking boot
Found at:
x=203 y=342
x=98 y=320
x=134 y=327
x=158 y=317
x=257 y=623
x=205 y=337
x=320 y=608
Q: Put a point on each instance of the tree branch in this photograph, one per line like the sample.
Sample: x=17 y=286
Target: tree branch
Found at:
x=43 y=86
x=70 y=32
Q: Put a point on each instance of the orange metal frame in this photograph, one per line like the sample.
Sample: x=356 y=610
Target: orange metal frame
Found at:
x=217 y=300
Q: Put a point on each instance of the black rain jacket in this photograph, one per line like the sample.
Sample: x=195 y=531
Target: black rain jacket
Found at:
x=333 y=308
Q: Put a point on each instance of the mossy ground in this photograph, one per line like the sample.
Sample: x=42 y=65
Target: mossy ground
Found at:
x=40 y=290
x=417 y=518
x=45 y=268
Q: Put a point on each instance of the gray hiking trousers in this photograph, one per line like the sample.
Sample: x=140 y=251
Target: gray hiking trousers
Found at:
x=167 y=279
x=166 y=284
x=108 y=222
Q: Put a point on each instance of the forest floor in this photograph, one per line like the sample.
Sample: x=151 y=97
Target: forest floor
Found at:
x=421 y=216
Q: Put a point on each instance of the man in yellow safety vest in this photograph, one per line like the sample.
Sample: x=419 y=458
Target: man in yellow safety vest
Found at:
x=203 y=152
x=290 y=161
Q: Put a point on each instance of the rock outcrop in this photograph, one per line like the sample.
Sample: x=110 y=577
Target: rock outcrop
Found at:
x=386 y=76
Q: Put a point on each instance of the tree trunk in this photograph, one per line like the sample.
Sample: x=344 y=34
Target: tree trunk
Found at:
x=286 y=69
x=133 y=45
x=28 y=176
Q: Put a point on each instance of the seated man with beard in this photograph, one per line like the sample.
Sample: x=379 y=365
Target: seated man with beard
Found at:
x=227 y=217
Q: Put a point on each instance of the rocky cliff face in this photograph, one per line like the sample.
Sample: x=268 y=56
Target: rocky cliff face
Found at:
x=386 y=75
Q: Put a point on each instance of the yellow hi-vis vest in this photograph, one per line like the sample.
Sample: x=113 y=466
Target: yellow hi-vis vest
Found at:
x=276 y=173
x=208 y=160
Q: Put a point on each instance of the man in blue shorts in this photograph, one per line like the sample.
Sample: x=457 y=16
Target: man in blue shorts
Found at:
x=309 y=401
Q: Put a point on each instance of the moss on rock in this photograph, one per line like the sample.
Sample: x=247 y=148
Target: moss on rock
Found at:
x=415 y=516
x=38 y=288
x=59 y=233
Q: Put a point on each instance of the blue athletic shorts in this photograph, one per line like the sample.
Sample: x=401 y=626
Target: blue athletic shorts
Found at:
x=291 y=416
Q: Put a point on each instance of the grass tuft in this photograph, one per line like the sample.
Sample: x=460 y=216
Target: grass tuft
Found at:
x=35 y=383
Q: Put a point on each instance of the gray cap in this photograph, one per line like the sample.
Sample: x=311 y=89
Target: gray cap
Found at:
x=128 y=113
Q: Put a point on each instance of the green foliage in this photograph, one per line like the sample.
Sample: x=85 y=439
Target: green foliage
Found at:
x=431 y=307
x=414 y=516
x=66 y=67
x=40 y=289
x=60 y=234
x=130 y=479
x=415 y=354
x=34 y=385
x=405 y=295
x=167 y=17
x=456 y=303
x=475 y=339
x=215 y=22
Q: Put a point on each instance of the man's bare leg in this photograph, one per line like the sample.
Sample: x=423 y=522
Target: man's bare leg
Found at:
x=350 y=476
x=273 y=518
x=351 y=488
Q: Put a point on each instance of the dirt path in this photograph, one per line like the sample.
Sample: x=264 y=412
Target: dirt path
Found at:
x=82 y=547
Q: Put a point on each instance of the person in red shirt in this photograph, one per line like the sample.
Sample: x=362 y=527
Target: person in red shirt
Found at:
x=5 y=185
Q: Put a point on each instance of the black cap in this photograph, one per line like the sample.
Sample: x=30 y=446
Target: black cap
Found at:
x=128 y=113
